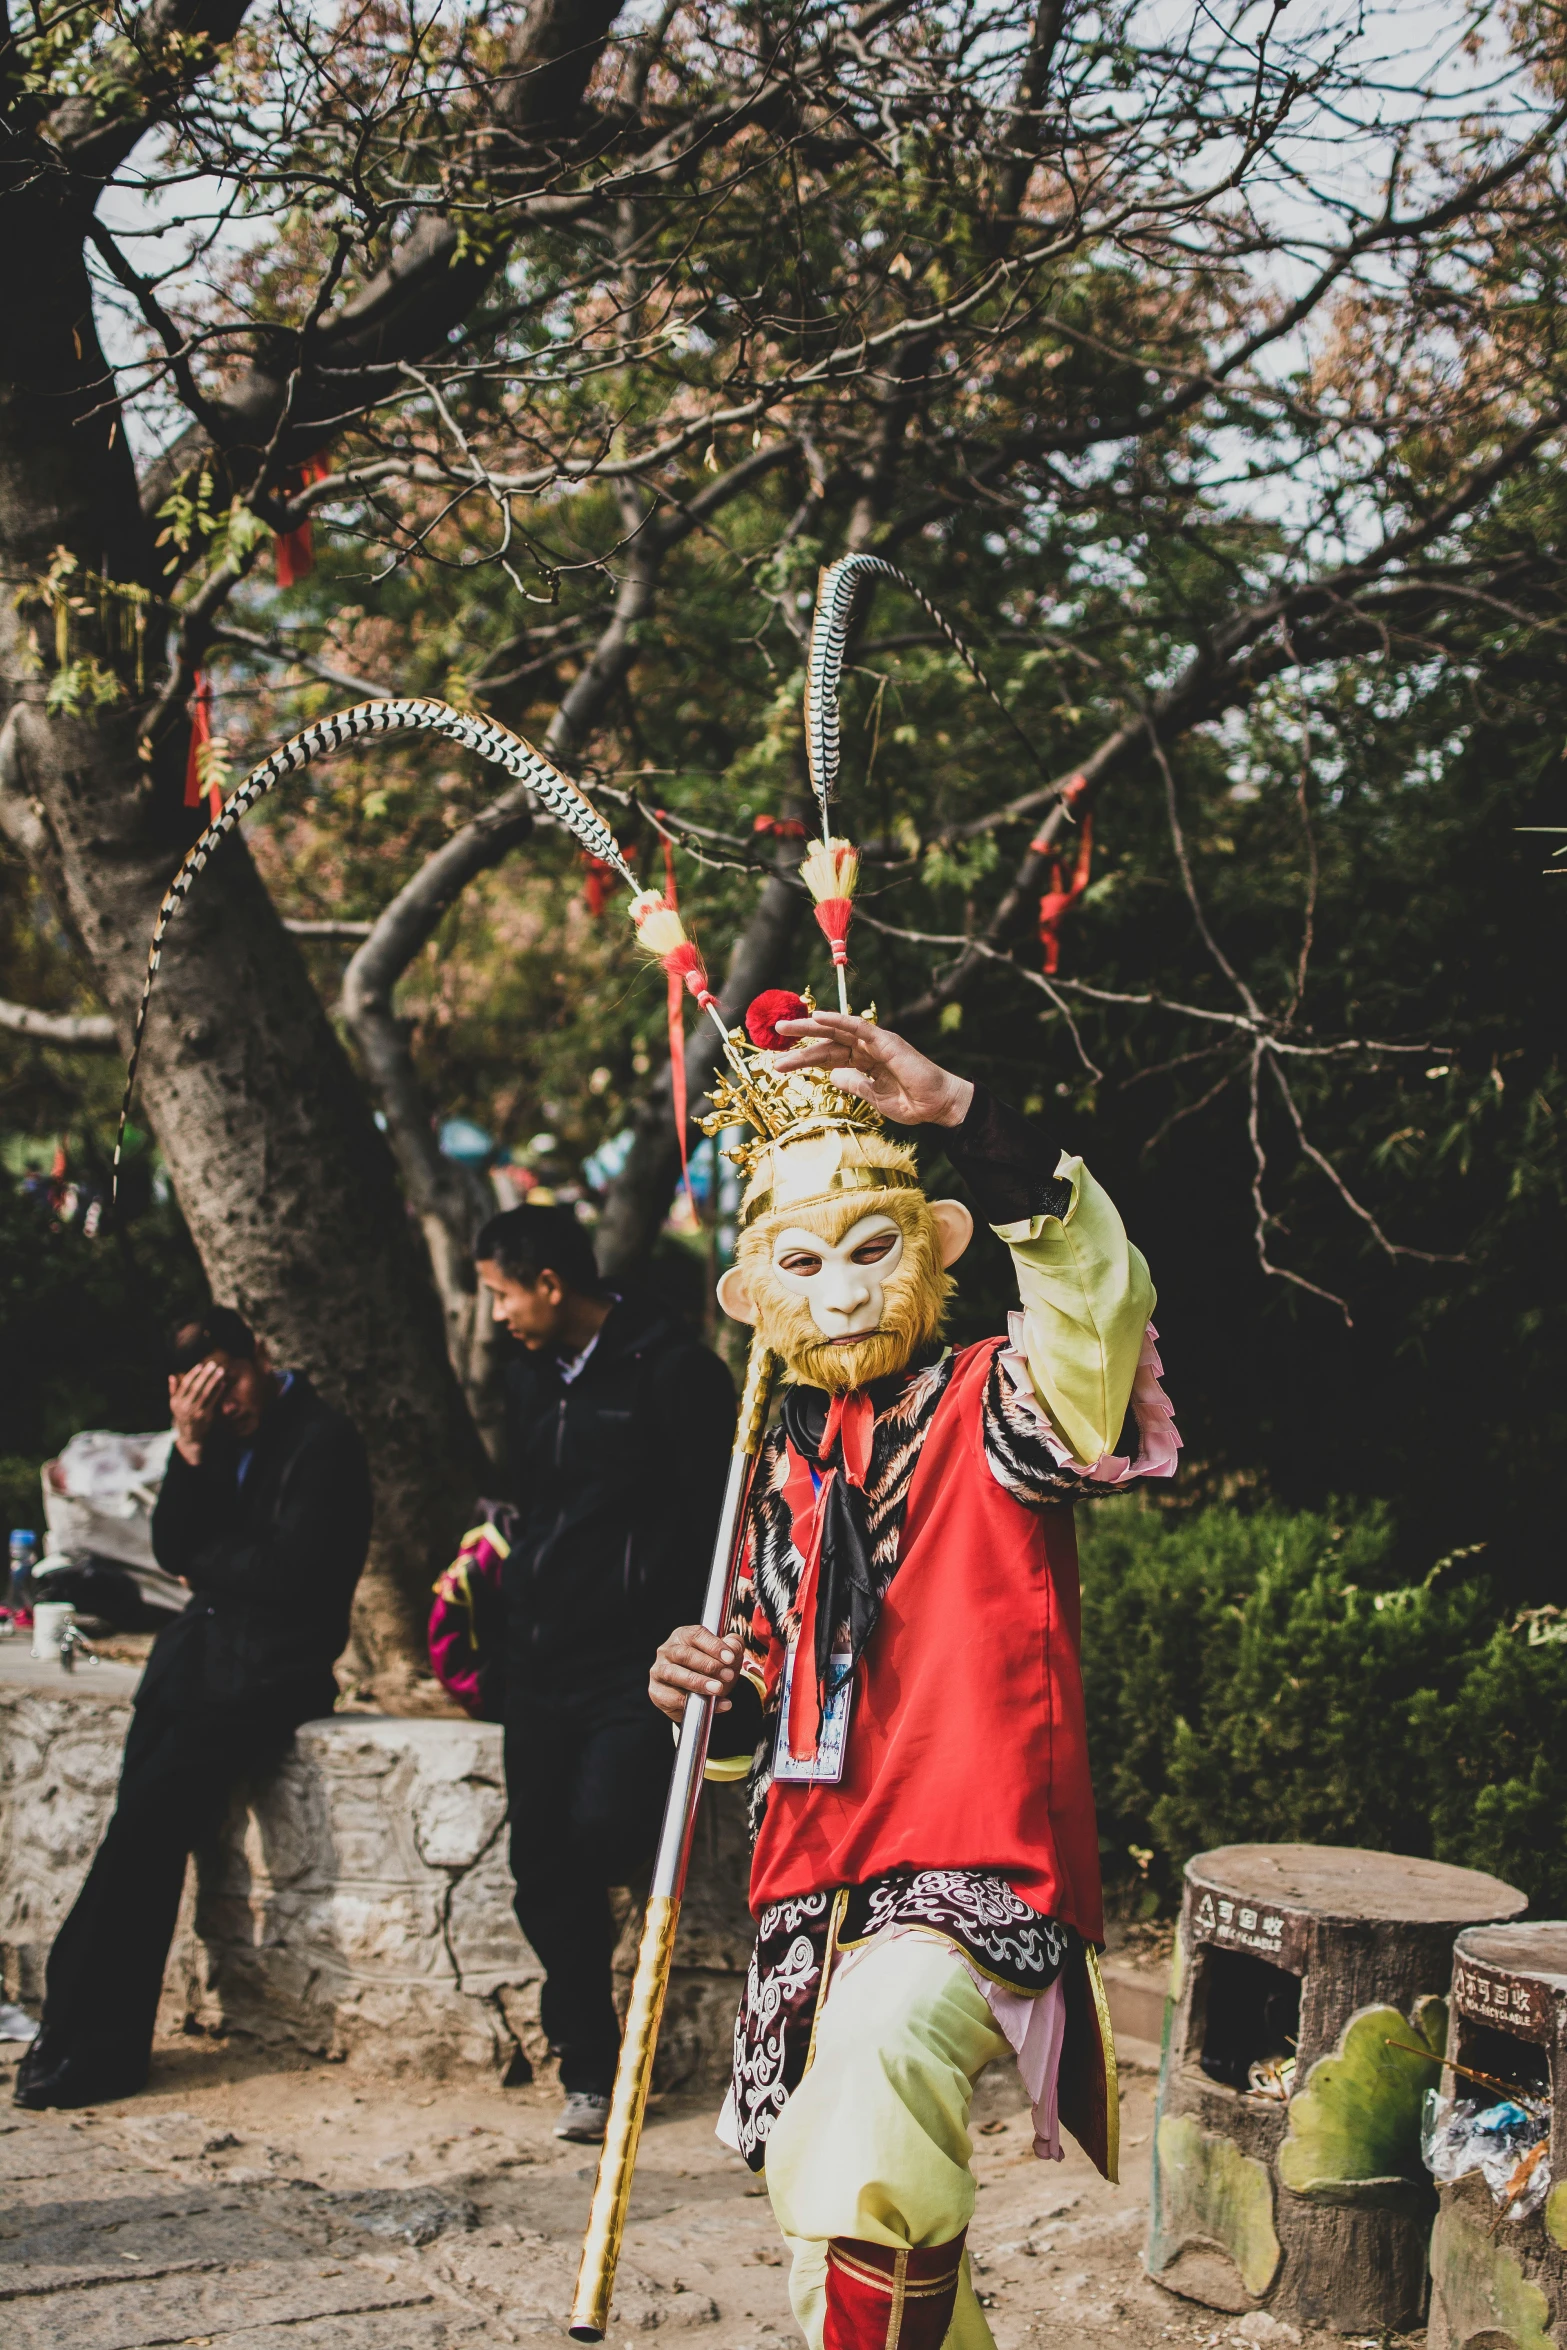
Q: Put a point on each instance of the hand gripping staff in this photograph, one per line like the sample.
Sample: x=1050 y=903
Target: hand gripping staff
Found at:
x=650 y=1985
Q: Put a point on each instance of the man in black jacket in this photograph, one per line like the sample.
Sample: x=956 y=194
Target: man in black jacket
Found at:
x=265 y=1513
x=619 y=1428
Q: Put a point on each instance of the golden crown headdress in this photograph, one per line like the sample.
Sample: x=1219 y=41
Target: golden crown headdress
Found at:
x=808 y=1138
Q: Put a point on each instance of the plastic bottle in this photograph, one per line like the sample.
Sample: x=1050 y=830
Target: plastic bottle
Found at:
x=24 y=1557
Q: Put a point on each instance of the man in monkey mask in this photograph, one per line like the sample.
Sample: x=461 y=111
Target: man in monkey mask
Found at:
x=900 y=1683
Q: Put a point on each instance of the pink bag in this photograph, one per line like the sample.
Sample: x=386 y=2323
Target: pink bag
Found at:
x=467 y=1621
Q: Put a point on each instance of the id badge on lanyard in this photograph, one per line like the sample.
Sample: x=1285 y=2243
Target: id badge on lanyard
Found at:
x=825 y=1766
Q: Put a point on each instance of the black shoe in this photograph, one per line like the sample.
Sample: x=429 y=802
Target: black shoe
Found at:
x=85 y=2076
x=42 y=2054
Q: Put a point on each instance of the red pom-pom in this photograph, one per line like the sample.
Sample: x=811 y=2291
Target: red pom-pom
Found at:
x=764 y=1013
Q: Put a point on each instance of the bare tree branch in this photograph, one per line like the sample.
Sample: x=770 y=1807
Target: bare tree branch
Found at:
x=79 y=1032
x=176 y=43
x=1178 y=841
x=430 y=286
x=1262 y=1215
x=273 y=647
x=1391 y=1248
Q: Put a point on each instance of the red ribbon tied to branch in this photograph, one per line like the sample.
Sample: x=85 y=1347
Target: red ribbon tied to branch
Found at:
x=200 y=738
x=296 y=555
x=1059 y=899
x=598 y=878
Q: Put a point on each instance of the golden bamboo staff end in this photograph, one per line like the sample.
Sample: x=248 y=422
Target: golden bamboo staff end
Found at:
x=634 y=2071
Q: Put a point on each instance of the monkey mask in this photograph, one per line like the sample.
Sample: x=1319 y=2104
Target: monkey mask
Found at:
x=842 y=1261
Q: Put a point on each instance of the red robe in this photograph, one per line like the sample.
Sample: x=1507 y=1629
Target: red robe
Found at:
x=967 y=1744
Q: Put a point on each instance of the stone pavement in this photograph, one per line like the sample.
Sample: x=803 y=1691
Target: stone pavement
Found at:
x=251 y=2201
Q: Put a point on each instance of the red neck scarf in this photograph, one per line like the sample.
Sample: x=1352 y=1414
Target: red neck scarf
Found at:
x=836 y=1584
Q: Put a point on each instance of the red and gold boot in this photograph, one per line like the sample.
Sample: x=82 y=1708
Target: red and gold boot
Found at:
x=881 y=2297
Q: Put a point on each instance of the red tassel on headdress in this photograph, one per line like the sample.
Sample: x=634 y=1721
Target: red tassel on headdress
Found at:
x=295 y=549
x=200 y=737
x=661 y=932
x=677 y=1077
x=831 y=873
x=677 y=1034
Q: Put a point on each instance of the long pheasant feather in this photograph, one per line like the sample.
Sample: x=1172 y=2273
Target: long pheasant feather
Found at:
x=495 y=743
x=838 y=592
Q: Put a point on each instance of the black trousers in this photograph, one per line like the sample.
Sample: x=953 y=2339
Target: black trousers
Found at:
x=105 y=1972
x=586 y=1778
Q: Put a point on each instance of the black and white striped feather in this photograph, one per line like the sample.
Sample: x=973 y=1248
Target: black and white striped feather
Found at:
x=474 y=732
x=838 y=593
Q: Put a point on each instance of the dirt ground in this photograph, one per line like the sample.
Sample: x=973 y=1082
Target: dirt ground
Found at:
x=250 y=2202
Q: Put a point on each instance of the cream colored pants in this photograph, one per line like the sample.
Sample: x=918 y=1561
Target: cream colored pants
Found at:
x=874 y=2143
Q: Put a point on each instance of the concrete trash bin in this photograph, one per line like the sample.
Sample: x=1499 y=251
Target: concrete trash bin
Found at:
x=1287 y=2169
x=1500 y=2282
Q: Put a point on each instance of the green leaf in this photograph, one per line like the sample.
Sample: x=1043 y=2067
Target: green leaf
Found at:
x=1354 y=2128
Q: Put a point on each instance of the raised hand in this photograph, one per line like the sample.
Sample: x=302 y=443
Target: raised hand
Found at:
x=193 y=1407
x=885 y=1070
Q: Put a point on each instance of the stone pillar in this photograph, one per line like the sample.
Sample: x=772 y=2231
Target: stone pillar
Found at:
x=1498 y=2283
x=1303 y=2192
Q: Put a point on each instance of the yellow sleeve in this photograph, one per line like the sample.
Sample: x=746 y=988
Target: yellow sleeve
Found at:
x=1087 y=1297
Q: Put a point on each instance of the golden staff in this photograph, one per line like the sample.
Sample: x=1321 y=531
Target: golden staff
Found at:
x=650 y=1984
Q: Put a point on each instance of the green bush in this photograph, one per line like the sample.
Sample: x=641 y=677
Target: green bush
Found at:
x=1260 y=1677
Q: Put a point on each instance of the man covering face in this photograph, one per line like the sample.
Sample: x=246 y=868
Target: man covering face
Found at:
x=846 y=1287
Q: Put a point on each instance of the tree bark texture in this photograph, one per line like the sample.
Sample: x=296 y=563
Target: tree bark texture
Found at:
x=450 y=1201
x=288 y=1189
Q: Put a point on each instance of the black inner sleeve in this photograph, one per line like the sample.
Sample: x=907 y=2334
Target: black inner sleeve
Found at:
x=739 y=1731
x=1007 y=1162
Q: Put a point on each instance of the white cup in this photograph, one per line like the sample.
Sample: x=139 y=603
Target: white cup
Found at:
x=50 y=1622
